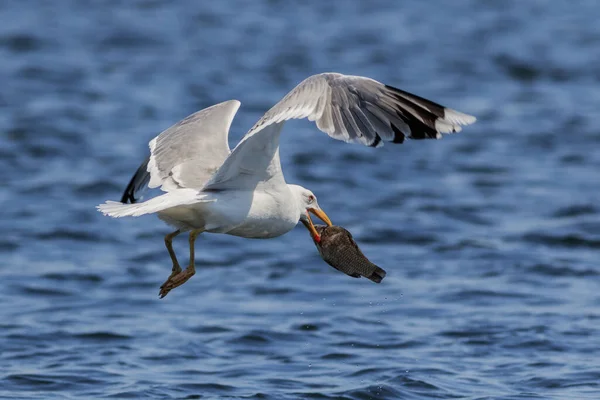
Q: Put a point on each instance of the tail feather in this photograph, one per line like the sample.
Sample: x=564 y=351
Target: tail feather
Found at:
x=181 y=197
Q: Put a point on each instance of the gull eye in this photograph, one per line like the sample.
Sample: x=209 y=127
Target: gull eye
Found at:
x=311 y=199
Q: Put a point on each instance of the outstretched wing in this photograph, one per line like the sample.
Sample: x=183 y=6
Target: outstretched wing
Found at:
x=362 y=110
x=349 y=108
x=187 y=154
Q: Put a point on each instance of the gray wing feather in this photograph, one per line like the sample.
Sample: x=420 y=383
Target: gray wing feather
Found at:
x=362 y=110
x=187 y=154
x=349 y=108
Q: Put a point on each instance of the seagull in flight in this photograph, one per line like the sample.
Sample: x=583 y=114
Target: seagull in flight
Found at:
x=242 y=192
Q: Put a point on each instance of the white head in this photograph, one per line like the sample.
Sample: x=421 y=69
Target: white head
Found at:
x=307 y=203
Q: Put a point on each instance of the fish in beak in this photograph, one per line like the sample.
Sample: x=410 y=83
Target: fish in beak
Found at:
x=309 y=224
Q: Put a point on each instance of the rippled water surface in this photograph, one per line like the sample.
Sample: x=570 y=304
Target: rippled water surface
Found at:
x=490 y=238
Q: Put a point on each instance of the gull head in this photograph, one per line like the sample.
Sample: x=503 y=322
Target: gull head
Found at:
x=308 y=204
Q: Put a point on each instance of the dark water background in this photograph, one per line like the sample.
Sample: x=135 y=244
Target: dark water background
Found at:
x=491 y=237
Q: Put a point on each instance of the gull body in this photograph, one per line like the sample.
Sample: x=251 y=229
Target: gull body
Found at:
x=242 y=192
x=256 y=215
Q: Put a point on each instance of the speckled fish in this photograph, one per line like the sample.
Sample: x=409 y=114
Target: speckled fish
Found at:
x=338 y=249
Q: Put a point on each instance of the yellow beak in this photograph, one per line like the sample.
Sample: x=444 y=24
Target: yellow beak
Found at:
x=321 y=214
x=311 y=227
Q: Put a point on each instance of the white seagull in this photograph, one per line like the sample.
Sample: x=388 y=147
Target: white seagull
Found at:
x=243 y=192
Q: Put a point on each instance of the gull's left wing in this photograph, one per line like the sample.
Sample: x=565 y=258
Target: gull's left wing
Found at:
x=186 y=154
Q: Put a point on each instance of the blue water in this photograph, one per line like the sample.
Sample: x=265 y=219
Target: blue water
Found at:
x=490 y=237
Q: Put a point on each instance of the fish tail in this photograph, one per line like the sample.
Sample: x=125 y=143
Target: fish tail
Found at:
x=377 y=275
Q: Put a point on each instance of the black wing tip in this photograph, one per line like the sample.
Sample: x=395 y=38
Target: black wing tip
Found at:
x=129 y=193
x=421 y=117
x=398 y=134
x=435 y=108
x=376 y=141
x=128 y=197
x=137 y=181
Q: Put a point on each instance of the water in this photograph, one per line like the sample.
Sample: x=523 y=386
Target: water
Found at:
x=490 y=237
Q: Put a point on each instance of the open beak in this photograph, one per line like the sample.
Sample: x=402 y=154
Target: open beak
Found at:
x=321 y=214
x=311 y=227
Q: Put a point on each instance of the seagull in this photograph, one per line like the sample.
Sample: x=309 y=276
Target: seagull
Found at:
x=242 y=192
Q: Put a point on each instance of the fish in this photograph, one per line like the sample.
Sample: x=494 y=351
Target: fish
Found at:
x=338 y=249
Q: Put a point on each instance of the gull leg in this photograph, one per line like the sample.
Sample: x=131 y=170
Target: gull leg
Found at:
x=169 y=243
x=181 y=277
